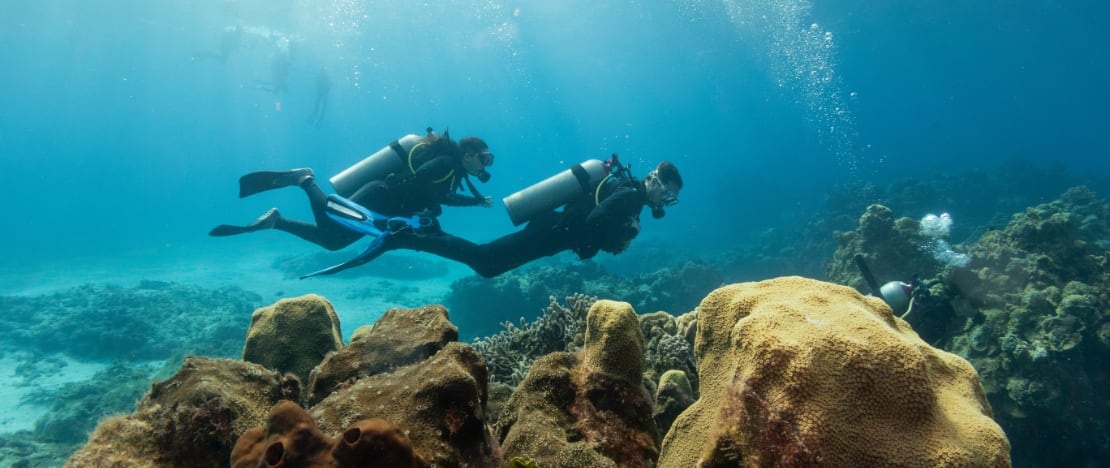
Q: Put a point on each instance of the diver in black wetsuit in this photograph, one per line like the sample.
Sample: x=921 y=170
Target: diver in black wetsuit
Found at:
x=402 y=182
x=606 y=218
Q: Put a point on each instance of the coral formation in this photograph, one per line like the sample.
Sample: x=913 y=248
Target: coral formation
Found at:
x=153 y=320
x=510 y=353
x=891 y=247
x=589 y=412
x=191 y=419
x=674 y=289
x=800 y=372
x=666 y=348
x=614 y=345
x=440 y=403
x=291 y=438
x=1038 y=294
x=673 y=395
x=270 y=345
x=399 y=337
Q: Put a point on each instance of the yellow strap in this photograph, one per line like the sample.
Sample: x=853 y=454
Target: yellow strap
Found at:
x=411 y=151
x=413 y=169
x=597 y=192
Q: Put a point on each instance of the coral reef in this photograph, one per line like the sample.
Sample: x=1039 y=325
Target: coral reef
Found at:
x=510 y=353
x=408 y=371
x=1038 y=293
x=153 y=320
x=800 y=372
x=673 y=395
x=666 y=348
x=505 y=298
x=291 y=438
x=891 y=247
x=400 y=337
x=592 y=411
x=191 y=419
x=270 y=345
x=439 y=402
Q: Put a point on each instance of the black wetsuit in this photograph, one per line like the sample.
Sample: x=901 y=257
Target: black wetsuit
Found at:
x=597 y=221
x=436 y=180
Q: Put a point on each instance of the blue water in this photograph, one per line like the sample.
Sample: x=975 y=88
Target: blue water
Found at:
x=121 y=131
x=113 y=137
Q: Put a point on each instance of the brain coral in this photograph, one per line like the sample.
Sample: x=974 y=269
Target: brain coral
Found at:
x=797 y=371
x=270 y=344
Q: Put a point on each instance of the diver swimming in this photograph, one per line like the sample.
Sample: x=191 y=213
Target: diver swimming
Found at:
x=400 y=187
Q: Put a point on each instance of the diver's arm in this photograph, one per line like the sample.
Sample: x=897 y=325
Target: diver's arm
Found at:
x=624 y=203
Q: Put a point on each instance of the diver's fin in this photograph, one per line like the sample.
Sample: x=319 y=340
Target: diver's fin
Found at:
x=262 y=181
x=374 y=250
x=266 y=221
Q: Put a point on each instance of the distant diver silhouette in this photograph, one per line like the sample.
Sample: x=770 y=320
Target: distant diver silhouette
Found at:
x=279 y=75
x=323 y=89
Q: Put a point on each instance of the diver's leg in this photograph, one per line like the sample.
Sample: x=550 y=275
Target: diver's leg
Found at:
x=326 y=232
x=262 y=181
x=266 y=221
x=538 y=239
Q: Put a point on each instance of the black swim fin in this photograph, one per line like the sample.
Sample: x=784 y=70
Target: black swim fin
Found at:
x=266 y=221
x=262 y=181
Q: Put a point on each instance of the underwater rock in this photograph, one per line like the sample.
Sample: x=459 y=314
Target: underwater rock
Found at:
x=801 y=372
x=589 y=412
x=439 y=403
x=400 y=337
x=293 y=335
x=190 y=419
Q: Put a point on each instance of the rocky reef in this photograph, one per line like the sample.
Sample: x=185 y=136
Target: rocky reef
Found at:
x=1038 y=296
x=1028 y=310
x=519 y=294
x=404 y=392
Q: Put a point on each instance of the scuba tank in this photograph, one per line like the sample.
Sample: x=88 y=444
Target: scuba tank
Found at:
x=555 y=191
x=389 y=160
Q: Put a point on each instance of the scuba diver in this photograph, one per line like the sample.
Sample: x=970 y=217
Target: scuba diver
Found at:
x=323 y=88
x=601 y=203
x=400 y=186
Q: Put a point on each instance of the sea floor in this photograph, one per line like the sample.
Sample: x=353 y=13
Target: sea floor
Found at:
x=358 y=300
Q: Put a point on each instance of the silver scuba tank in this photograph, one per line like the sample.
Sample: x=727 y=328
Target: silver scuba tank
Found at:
x=374 y=167
x=555 y=191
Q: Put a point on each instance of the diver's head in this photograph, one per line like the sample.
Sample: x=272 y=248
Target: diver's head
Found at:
x=662 y=184
x=476 y=157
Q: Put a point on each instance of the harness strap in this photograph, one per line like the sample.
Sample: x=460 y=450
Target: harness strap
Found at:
x=413 y=168
x=397 y=148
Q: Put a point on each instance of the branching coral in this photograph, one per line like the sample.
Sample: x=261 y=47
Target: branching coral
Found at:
x=510 y=354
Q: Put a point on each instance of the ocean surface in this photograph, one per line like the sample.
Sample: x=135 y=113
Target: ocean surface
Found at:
x=125 y=125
